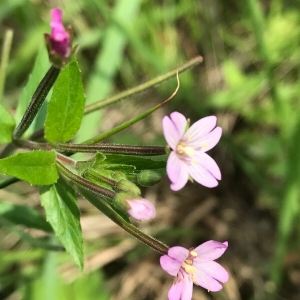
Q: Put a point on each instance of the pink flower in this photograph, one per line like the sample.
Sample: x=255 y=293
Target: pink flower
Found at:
x=59 y=37
x=194 y=266
x=141 y=209
x=188 y=158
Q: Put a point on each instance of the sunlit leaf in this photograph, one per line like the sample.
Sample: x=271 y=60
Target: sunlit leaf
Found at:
x=36 y=167
x=63 y=214
x=65 y=109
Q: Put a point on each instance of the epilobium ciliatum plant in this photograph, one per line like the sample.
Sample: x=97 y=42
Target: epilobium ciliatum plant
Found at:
x=112 y=178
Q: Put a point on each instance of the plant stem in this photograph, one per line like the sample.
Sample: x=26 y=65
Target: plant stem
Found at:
x=111 y=148
x=124 y=125
x=36 y=101
x=89 y=191
x=142 y=87
x=86 y=184
x=130 y=228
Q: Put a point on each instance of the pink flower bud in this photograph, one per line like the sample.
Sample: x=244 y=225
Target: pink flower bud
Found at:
x=141 y=209
x=59 y=37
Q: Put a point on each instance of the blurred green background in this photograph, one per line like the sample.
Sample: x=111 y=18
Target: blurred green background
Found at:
x=249 y=79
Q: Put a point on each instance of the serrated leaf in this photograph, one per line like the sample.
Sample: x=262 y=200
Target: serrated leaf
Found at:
x=7 y=124
x=65 y=109
x=63 y=214
x=36 y=167
x=40 y=68
x=24 y=215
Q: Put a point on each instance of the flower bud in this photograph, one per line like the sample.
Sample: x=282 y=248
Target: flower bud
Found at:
x=148 y=178
x=59 y=41
x=137 y=208
x=141 y=209
x=127 y=186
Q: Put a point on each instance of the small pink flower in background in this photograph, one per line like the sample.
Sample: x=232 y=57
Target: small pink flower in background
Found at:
x=188 y=158
x=194 y=266
x=59 y=37
x=141 y=209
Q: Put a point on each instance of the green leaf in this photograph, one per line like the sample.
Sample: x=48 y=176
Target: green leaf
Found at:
x=24 y=215
x=65 y=109
x=63 y=214
x=36 y=167
x=7 y=124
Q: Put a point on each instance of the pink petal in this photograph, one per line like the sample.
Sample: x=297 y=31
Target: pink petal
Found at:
x=141 y=209
x=207 y=282
x=170 y=265
x=178 y=253
x=174 y=128
x=208 y=141
x=213 y=269
x=205 y=161
x=56 y=15
x=200 y=174
x=175 y=291
x=210 y=250
x=177 y=171
x=201 y=128
x=181 y=290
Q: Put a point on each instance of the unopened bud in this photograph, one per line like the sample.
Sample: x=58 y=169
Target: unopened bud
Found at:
x=137 y=208
x=59 y=41
x=148 y=178
x=127 y=186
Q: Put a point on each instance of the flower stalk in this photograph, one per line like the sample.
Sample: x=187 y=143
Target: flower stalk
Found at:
x=111 y=148
x=89 y=191
x=36 y=101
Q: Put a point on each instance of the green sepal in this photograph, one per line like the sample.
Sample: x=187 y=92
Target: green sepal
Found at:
x=35 y=167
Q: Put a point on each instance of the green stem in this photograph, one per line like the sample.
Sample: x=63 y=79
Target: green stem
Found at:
x=111 y=148
x=86 y=184
x=130 y=228
x=142 y=87
x=89 y=191
x=124 y=125
x=36 y=101
x=4 y=59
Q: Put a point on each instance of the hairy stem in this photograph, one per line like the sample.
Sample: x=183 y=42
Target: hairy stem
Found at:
x=36 y=101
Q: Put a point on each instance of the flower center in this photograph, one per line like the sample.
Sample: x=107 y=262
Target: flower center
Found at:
x=187 y=265
x=184 y=150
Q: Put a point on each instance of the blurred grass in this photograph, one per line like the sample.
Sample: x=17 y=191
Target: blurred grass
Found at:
x=249 y=79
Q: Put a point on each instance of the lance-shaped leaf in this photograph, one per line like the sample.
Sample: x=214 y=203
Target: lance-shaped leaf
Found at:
x=65 y=109
x=63 y=214
x=36 y=167
x=7 y=124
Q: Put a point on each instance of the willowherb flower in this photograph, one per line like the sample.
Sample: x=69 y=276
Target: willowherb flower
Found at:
x=194 y=266
x=141 y=209
x=59 y=37
x=188 y=158
x=59 y=41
